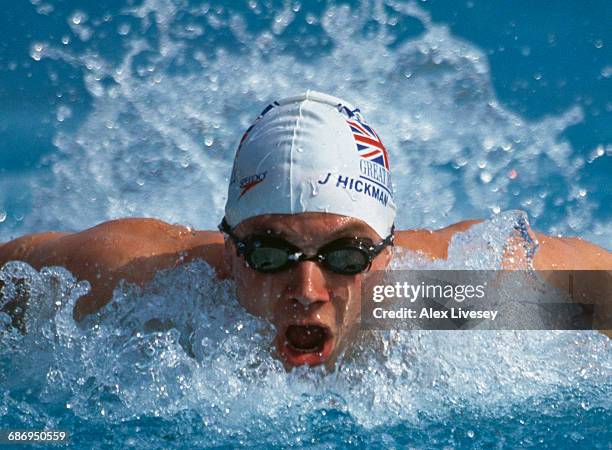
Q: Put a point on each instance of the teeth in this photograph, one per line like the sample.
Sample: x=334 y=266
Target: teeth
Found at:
x=304 y=350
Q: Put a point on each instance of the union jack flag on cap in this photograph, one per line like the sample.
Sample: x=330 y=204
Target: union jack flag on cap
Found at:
x=369 y=145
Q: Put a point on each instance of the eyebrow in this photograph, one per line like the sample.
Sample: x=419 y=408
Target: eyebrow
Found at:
x=350 y=230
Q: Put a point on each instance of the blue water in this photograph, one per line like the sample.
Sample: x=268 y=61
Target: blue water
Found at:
x=120 y=109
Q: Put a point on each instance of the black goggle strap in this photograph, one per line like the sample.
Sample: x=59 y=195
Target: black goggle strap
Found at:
x=224 y=227
x=374 y=250
x=389 y=240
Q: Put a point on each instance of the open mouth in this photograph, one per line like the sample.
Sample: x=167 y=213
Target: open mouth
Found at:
x=306 y=344
x=306 y=339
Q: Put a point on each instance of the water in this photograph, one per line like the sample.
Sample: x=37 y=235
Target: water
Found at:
x=190 y=368
x=135 y=108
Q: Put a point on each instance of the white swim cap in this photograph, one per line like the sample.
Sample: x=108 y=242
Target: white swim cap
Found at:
x=312 y=153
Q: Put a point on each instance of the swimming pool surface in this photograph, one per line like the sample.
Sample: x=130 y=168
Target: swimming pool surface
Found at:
x=134 y=108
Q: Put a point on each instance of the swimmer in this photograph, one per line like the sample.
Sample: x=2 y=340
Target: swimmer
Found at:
x=310 y=213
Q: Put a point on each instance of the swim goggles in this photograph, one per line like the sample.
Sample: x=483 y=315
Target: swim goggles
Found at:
x=268 y=254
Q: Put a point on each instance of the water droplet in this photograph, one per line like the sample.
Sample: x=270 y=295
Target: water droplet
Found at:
x=486 y=177
x=63 y=113
x=488 y=143
x=36 y=51
x=209 y=141
x=599 y=43
x=314 y=191
x=78 y=17
x=585 y=406
x=2 y=216
x=124 y=29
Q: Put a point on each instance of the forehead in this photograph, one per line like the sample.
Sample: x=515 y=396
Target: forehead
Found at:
x=307 y=226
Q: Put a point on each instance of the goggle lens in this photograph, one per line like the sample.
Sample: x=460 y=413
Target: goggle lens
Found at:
x=347 y=261
x=268 y=259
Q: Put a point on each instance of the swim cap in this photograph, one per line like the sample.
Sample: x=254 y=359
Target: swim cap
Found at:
x=312 y=153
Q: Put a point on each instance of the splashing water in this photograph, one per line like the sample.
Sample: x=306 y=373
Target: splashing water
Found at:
x=179 y=363
x=183 y=82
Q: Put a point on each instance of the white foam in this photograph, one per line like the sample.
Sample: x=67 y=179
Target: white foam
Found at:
x=184 y=344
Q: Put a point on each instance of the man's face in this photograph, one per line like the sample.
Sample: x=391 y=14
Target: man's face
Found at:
x=315 y=311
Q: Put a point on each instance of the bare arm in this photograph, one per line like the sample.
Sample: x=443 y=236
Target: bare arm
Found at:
x=20 y=249
x=553 y=254
x=432 y=244
x=595 y=286
x=128 y=249
x=570 y=253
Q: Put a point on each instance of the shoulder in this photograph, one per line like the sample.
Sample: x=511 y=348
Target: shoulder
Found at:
x=118 y=242
x=570 y=253
x=115 y=244
x=431 y=243
x=125 y=249
x=20 y=248
x=133 y=250
x=112 y=240
x=556 y=253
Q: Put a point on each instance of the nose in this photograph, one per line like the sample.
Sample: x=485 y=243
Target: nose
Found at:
x=308 y=284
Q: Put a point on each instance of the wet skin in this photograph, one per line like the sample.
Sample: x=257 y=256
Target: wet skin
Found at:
x=304 y=295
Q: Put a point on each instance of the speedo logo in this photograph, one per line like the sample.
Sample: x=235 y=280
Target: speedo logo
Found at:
x=248 y=183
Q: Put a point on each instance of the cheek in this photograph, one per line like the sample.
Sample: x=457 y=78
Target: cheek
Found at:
x=256 y=292
x=354 y=304
x=347 y=300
